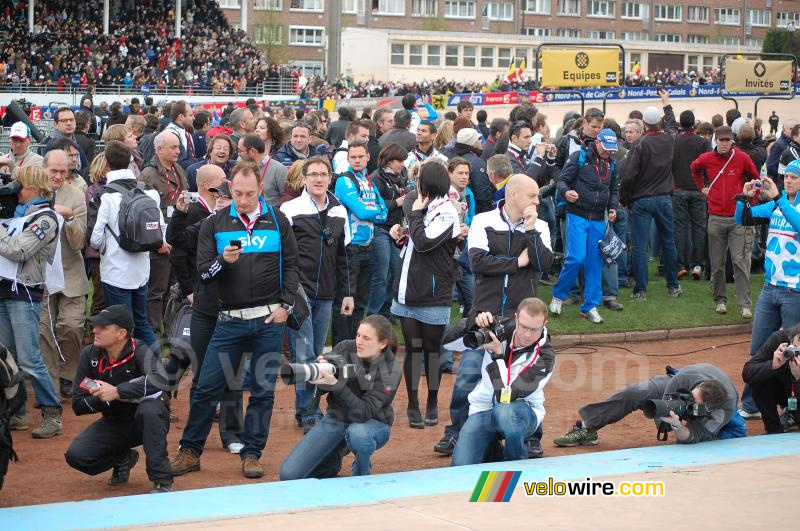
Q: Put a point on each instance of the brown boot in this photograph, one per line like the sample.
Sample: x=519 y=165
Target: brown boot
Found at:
x=51 y=423
x=251 y=468
x=186 y=461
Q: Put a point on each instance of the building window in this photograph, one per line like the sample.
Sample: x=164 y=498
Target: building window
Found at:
x=459 y=8
x=415 y=54
x=600 y=8
x=728 y=41
x=758 y=17
x=487 y=57
x=668 y=37
x=424 y=8
x=633 y=36
x=398 y=53
x=698 y=39
x=569 y=8
x=698 y=14
x=728 y=16
x=536 y=32
x=271 y=5
x=668 y=13
x=267 y=34
x=309 y=69
x=599 y=34
x=306 y=35
x=783 y=18
x=693 y=63
x=755 y=43
x=503 y=57
x=500 y=11
x=434 y=55
x=521 y=54
x=633 y=10
x=352 y=6
x=388 y=7
x=469 y=56
x=307 y=5
x=537 y=7
x=568 y=32
x=229 y=4
x=451 y=55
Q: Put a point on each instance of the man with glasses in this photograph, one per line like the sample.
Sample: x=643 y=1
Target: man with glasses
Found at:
x=322 y=231
x=65 y=128
x=509 y=399
x=20 y=154
x=720 y=174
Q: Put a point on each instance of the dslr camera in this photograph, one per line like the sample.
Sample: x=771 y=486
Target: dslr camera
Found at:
x=791 y=352
x=295 y=373
x=682 y=404
x=475 y=338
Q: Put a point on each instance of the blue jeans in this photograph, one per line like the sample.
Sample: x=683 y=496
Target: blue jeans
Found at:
x=344 y=327
x=777 y=308
x=318 y=454
x=19 y=333
x=468 y=376
x=514 y=421
x=136 y=301
x=305 y=345
x=385 y=256
x=656 y=209
x=582 y=237
x=232 y=338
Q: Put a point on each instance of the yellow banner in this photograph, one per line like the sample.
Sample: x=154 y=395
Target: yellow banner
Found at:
x=754 y=75
x=590 y=67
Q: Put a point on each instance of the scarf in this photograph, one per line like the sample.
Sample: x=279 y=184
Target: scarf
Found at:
x=23 y=207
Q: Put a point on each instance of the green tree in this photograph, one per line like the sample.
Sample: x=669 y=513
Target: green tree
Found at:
x=781 y=41
x=270 y=36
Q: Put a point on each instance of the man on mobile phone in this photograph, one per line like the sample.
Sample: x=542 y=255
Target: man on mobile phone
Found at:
x=119 y=377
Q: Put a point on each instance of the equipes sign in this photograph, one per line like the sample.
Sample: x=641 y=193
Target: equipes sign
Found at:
x=597 y=67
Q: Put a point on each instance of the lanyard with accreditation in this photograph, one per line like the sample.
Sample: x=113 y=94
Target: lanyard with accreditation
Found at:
x=505 y=392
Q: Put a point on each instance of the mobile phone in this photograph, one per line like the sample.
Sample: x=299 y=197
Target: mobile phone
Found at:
x=191 y=197
x=89 y=384
x=236 y=243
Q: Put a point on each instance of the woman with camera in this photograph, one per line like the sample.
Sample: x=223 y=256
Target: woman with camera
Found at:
x=423 y=284
x=360 y=413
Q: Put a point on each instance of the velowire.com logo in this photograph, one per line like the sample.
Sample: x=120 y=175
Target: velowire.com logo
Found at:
x=495 y=486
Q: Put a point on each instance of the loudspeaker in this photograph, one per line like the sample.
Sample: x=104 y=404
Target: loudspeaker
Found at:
x=15 y=110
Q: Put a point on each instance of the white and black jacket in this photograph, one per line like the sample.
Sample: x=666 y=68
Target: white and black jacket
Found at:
x=494 y=247
x=321 y=260
x=426 y=272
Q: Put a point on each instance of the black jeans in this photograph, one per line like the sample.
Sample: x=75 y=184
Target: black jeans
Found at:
x=346 y=327
x=690 y=227
x=768 y=396
x=106 y=441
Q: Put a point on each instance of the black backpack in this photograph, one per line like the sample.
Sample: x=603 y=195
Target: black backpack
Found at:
x=138 y=221
x=11 y=400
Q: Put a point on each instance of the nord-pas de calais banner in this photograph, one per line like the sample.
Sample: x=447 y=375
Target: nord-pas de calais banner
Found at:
x=755 y=75
x=595 y=67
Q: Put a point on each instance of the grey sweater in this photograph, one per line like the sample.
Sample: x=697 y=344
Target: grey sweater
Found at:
x=273 y=181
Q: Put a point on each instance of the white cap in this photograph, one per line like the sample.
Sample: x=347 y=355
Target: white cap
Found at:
x=468 y=136
x=651 y=116
x=737 y=124
x=19 y=130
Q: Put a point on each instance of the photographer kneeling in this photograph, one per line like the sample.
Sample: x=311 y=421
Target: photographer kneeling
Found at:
x=360 y=414
x=773 y=374
x=509 y=399
x=702 y=396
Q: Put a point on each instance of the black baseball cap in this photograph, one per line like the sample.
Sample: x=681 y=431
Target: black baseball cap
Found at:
x=118 y=314
x=222 y=189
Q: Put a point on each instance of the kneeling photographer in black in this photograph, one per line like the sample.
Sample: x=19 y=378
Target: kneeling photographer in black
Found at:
x=121 y=378
x=703 y=395
x=773 y=374
x=360 y=390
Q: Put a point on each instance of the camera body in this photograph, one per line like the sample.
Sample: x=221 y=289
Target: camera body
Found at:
x=791 y=352
x=682 y=404
x=294 y=373
x=475 y=338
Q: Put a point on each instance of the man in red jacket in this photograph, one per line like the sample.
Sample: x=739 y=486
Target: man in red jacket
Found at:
x=720 y=175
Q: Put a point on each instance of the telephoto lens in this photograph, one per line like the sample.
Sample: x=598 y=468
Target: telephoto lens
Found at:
x=295 y=373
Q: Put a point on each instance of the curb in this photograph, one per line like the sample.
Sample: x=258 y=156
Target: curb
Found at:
x=651 y=335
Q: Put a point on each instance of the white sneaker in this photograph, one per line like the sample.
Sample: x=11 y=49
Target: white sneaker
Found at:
x=593 y=316
x=747 y=314
x=749 y=416
x=555 y=306
x=697 y=272
x=235 y=448
x=721 y=308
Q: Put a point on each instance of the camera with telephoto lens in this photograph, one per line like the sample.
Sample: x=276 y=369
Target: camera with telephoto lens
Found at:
x=475 y=338
x=682 y=404
x=295 y=373
x=9 y=188
x=791 y=352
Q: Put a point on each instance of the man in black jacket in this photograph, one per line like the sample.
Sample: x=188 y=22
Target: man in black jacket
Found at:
x=774 y=378
x=468 y=142
x=781 y=143
x=250 y=252
x=120 y=377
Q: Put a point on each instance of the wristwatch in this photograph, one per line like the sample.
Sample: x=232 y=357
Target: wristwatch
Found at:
x=287 y=307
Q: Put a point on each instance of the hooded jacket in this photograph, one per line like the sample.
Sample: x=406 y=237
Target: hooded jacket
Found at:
x=596 y=182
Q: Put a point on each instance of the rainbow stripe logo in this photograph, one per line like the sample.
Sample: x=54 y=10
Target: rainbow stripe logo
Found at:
x=495 y=486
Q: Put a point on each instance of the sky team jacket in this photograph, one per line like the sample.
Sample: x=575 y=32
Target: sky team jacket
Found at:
x=266 y=271
x=365 y=205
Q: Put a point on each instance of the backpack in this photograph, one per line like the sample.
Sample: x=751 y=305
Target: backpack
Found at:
x=138 y=220
x=11 y=399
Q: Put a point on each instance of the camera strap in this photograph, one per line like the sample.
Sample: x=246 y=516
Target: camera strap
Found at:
x=526 y=367
x=663 y=431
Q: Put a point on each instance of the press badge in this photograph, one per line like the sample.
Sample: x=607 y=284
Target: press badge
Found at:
x=505 y=395
x=791 y=403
